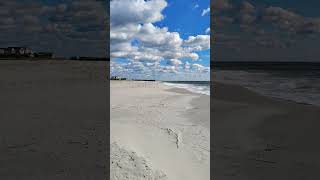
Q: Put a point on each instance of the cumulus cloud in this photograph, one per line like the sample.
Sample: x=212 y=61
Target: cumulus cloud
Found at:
x=198 y=43
x=134 y=36
x=186 y=66
x=247 y=16
x=208 y=30
x=205 y=11
x=288 y=20
x=123 y=12
x=154 y=43
x=66 y=28
x=221 y=4
x=246 y=7
x=246 y=13
x=200 y=68
x=151 y=36
x=168 y=69
x=272 y=30
x=174 y=62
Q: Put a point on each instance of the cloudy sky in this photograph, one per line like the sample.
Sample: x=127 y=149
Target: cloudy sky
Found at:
x=266 y=30
x=64 y=27
x=160 y=39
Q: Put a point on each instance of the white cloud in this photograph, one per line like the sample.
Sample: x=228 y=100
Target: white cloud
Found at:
x=205 y=11
x=123 y=12
x=208 y=30
x=155 y=43
x=132 y=21
x=200 y=68
x=124 y=33
x=186 y=66
x=148 y=64
x=169 y=69
x=152 y=36
x=174 y=62
x=198 y=43
x=195 y=6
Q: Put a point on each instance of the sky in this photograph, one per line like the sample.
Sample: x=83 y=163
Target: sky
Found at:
x=266 y=30
x=64 y=27
x=160 y=39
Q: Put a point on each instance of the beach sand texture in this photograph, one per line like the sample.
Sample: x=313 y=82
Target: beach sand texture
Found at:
x=53 y=120
x=158 y=132
x=256 y=137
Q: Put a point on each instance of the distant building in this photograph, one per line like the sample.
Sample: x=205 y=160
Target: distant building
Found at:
x=23 y=52
x=19 y=51
x=117 y=78
x=15 y=52
x=3 y=51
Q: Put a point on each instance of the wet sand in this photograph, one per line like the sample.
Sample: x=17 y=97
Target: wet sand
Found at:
x=257 y=137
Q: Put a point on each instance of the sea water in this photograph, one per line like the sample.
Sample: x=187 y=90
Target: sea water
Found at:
x=199 y=87
x=298 y=86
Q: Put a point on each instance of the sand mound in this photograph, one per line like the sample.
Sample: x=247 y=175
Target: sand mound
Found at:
x=128 y=165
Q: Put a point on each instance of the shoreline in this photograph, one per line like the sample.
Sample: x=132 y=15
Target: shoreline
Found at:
x=278 y=99
x=162 y=134
x=290 y=86
x=199 y=107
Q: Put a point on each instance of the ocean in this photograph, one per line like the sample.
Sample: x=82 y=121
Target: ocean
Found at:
x=298 y=86
x=200 y=87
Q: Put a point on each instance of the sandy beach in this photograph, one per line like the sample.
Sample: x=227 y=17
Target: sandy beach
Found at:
x=158 y=132
x=53 y=120
x=257 y=137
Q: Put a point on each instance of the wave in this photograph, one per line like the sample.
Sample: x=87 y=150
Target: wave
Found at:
x=298 y=87
x=199 y=88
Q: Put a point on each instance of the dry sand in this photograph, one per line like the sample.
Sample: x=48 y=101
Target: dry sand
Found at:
x=53 y=120
x=256 y=137
x=158 y=132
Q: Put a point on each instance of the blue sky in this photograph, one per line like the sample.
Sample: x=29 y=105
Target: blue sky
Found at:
x=158 y=39
x=184 y=16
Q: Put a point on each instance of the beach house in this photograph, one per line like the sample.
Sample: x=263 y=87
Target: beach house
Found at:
x=3 y=51
x=15 y=52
